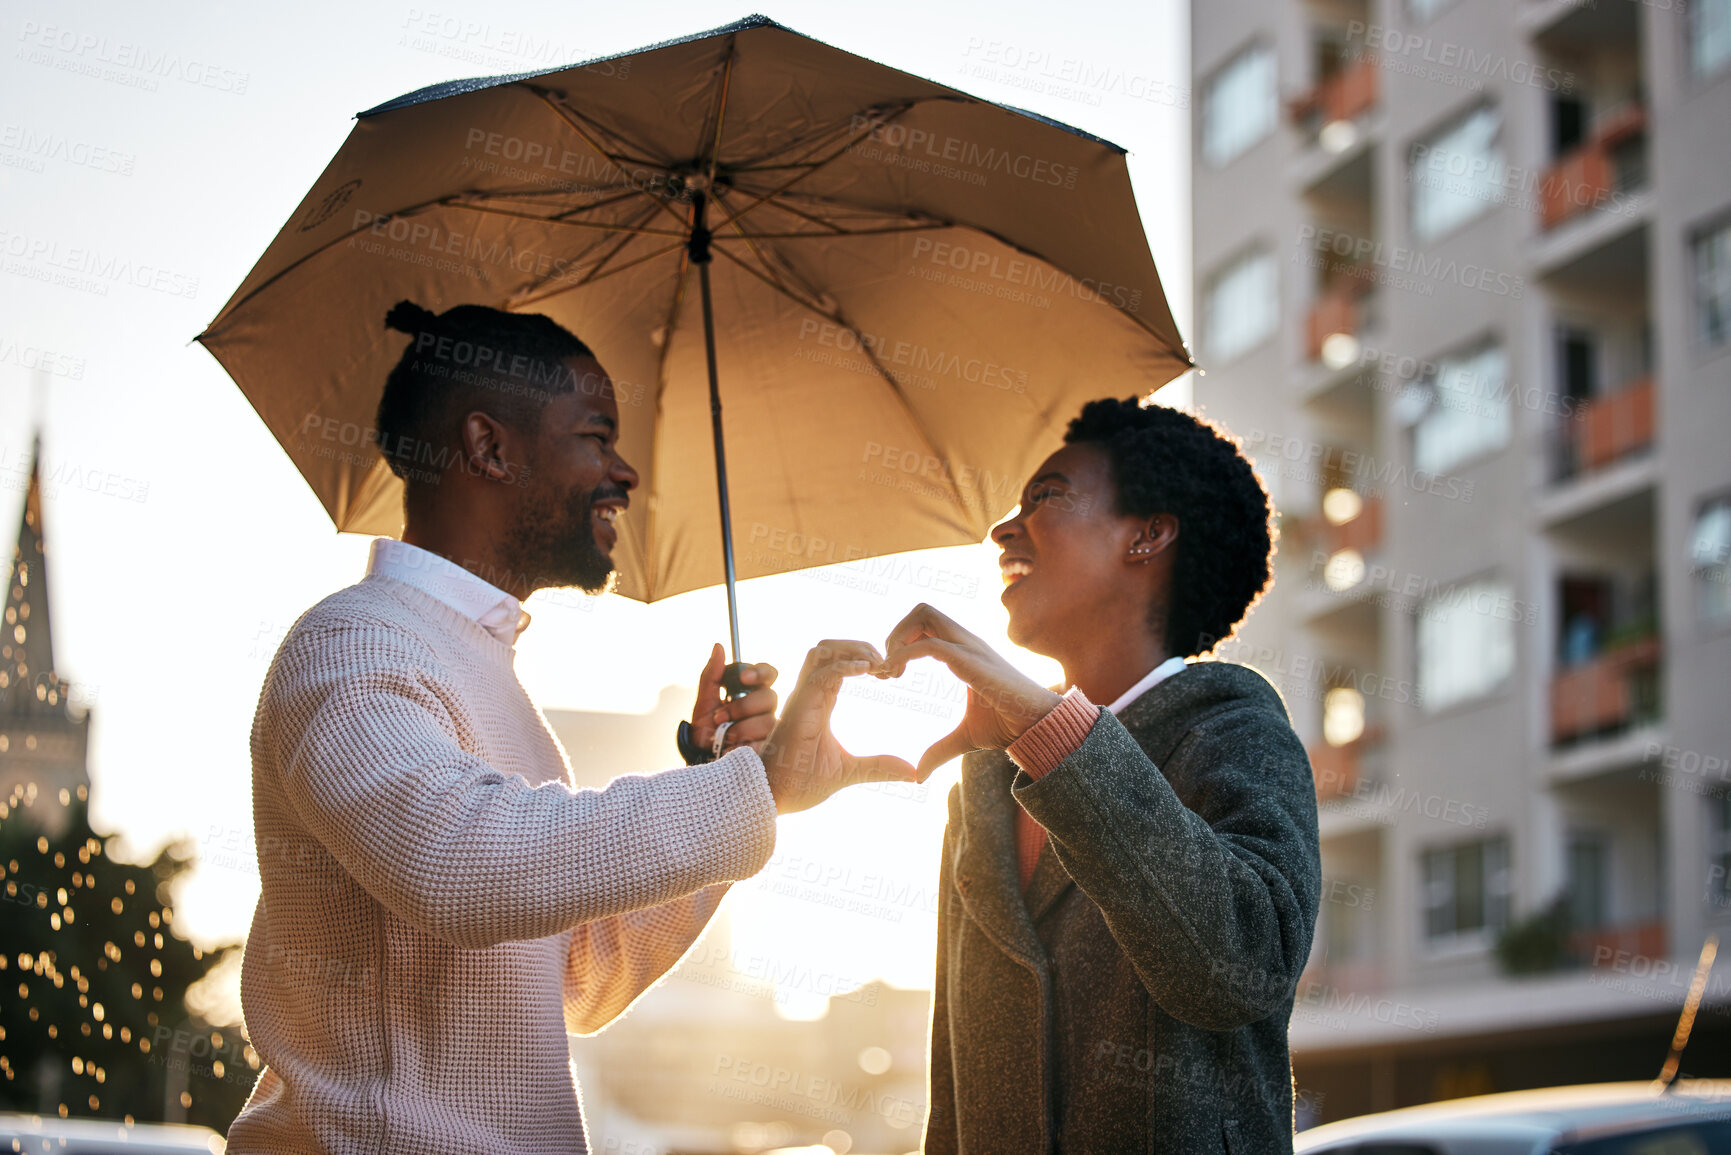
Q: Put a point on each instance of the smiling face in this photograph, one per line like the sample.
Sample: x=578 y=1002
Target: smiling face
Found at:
x=1071 y=579
x=577 y=486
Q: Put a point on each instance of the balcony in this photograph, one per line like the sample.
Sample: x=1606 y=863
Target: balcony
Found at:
x=1601 y=946
x=1362 y=533
x=1338 y=770
x=1612 y=692
x=1348 y=522
x=1613 y=161
x=1336 y=320
x=1606 y=430
x=1616 y=426
x=1341 y=98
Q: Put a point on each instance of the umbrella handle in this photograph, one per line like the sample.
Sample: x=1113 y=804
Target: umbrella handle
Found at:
x=689 y=749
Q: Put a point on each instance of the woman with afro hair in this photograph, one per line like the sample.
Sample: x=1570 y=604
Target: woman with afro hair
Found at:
x=1130 y=873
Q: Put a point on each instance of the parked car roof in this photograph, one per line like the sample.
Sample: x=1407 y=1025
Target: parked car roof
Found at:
x=36 y=1133
x=1527 y=1122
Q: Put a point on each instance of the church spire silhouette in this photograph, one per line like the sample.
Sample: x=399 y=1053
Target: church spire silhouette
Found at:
x=43 y=740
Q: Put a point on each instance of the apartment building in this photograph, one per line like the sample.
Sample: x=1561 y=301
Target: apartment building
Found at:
x=1464 y=289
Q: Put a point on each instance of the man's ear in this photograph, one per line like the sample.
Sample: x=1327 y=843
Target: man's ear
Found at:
x=1157 y=537
x=484 y=438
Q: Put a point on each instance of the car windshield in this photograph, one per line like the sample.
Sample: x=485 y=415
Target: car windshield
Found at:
x=1683 y=1139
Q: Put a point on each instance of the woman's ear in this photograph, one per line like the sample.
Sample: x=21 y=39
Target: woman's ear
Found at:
x=1154 y=538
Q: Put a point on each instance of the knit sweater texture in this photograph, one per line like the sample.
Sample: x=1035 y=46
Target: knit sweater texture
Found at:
x=439 y=904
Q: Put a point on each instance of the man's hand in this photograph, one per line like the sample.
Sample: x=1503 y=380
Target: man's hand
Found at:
x=804 y=761
x=1003 y=702
x=752 y=716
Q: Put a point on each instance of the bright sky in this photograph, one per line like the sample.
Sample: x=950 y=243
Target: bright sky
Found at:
x=183 y=542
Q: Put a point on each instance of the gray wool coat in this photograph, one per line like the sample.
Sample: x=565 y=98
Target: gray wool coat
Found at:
x=1136 y=998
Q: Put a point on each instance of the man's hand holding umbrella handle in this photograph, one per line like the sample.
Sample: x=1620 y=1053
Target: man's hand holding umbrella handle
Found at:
x=804 y=762
x=1003 y=702
x=737 y=720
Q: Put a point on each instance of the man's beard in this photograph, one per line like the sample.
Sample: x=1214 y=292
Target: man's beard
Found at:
x=555 y=542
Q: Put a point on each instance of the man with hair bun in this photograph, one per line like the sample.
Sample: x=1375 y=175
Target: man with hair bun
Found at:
x=419 y=834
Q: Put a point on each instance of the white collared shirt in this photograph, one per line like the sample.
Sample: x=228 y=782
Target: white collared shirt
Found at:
x=1153 y=678
x=490 y=607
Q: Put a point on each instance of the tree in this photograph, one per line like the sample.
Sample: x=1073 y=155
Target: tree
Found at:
x=100 y=1026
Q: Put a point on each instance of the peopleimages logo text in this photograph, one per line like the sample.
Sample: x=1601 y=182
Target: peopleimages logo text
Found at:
x=1364 y=251
x=969 y=154
x=1448 y=54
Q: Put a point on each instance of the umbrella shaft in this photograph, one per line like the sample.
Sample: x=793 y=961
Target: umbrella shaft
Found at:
x=720 y=454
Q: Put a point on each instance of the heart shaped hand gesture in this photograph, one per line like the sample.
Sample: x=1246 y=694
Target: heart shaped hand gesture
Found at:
x=1003 y=702
x=804 y=762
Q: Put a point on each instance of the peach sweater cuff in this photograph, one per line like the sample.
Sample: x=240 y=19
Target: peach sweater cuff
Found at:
x=1056 y=736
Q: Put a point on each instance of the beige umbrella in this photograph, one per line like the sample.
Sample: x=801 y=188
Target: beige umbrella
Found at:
x=902 y=291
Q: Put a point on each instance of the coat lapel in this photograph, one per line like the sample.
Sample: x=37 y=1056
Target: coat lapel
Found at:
x=986 y=876
x=1048 y=885
x=1142 y=718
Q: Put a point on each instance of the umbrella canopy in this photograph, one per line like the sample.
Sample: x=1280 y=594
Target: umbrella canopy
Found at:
x=914 y=289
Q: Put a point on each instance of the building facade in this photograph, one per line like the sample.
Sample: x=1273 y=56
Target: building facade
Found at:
x=1463 y=284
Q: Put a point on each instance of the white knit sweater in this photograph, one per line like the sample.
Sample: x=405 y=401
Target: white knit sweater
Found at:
x=439 y=904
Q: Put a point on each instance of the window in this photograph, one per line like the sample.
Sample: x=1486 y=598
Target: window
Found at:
x=1459 y=410
x=1568 y=124
x=1577 y=363
x=1241 y=305
x=1239 y=105
x=1421 y=10
x=1719 y=850
x=1709 y=36
x=1713 y=285
x=1466 y=889
x=1710 y=558
x=1457 y=174
x=1466 y=642
x=1589 y=880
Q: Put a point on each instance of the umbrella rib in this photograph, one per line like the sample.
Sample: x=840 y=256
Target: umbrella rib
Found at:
x=595 y=129
x=631 y=230
x=572 y=118
x=803 y=215
x=810 y=167
x=1051 y=264
x=834 y=316
x=838 y=233
x=769 y=267
x=721 y=105
x=234 y=306
x=628 y=229
x=615 y=251
x=918 y=226
x=915 y=222
x=750 y=241
x=597 y=275
x=874 y=118
x=564 y=212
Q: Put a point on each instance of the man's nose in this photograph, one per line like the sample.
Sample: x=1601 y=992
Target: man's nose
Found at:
x=1005 y=530
x=621 y=474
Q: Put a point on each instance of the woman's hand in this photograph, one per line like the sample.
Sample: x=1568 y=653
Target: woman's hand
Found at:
x=804 y=762
x=1002 y=701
